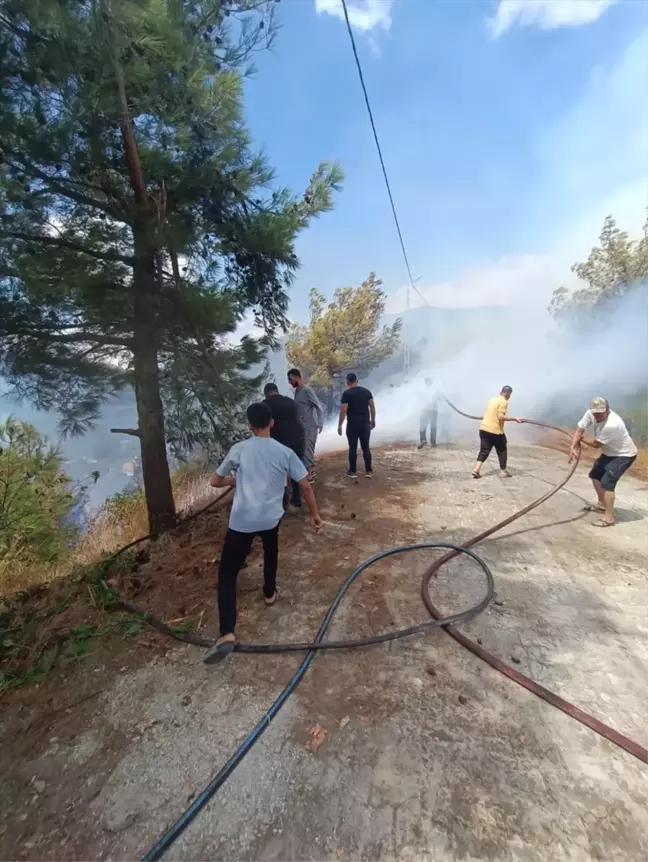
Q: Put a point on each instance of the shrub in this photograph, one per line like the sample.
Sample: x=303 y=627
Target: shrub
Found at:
x=36 y=498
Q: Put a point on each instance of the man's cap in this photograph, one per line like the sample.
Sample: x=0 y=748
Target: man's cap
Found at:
x=598 y=405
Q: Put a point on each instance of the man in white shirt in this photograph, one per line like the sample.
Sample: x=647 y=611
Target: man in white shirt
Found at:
x=618 y=454
x=429 y=415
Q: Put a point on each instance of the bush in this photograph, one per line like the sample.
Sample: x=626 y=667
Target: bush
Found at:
x=36 y=498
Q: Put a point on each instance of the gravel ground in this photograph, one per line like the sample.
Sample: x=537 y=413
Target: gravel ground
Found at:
x=429 y=753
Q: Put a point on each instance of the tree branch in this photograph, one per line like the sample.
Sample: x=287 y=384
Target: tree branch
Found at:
x=133 y=432
x=62 y=190
x=73 y=246
x=85 y=337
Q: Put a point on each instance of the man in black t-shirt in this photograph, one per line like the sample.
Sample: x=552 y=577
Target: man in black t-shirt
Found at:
x=287 y=429
x=359 y=410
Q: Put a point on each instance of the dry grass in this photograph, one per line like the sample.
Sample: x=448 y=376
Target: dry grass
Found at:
x=551 y=440
x=60 y=620
x=122 y=520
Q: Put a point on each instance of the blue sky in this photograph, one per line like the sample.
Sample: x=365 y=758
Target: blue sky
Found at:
x=510 y=128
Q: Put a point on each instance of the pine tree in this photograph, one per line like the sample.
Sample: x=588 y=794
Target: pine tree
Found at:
x=36 y=497
x=136 y=222
x=614 y=267
x=344 y=336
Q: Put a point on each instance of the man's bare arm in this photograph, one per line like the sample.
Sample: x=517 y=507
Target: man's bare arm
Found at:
x=311 y=502
x=372 y=412
x=217 y=481
x=574 y=449
x=344 y=409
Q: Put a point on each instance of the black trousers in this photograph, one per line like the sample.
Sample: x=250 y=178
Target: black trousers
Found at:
x=489 y=441
x=235 y=549
x=295 y=497
x=297 y=445
x=359 y=434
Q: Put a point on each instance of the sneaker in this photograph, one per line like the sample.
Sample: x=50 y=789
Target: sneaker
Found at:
x=218 y=652
x=351 y=475
x=422 y=445
x=269 y=602
x=369 y=475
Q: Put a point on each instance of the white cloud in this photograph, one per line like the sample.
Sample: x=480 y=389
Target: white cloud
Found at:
x=364 y=15
x=545 y=14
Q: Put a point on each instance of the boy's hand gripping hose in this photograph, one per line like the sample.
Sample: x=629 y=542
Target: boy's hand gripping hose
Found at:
x=437 y=621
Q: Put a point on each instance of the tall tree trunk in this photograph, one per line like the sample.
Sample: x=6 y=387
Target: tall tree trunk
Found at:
x=146 y=325
x=155 y=466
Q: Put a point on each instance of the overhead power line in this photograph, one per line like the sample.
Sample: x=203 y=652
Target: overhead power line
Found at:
x=380 y=155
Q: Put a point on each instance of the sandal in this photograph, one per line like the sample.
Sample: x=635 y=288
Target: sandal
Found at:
x=475 y=474
x=593 y=508
x=602 y=523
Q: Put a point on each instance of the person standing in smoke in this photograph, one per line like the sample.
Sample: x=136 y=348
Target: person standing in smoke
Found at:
x=429 y=415
x=359 y=411
x=312 y=417
x=491 y=432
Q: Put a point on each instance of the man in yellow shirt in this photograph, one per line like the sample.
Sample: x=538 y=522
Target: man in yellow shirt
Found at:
x=491 y=432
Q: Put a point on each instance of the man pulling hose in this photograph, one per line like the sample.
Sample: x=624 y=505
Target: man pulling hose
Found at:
x=491 y=432
x=618 y=455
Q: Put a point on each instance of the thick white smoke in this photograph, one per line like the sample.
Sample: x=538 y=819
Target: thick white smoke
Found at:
x=554 y=371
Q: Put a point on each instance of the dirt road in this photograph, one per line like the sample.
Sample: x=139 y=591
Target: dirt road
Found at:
x=429 y=753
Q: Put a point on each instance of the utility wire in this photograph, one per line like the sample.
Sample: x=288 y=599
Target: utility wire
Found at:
x=380 y=155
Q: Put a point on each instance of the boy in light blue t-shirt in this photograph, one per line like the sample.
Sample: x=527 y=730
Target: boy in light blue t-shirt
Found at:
x=257 y=469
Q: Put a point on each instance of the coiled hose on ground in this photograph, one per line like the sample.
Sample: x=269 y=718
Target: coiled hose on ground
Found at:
x=437 y=621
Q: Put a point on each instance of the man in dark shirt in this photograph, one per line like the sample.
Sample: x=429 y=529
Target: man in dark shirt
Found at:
x=359 y=410
x=287 y=429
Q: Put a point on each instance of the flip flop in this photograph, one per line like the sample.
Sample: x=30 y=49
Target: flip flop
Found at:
x=602 y=523
x=475 y=475
x=591 y=508
x=218 y=652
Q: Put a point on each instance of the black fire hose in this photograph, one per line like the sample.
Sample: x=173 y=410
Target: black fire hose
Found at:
x=437 y=621
x=223 y=774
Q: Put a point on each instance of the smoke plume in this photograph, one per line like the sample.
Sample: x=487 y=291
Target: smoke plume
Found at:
x=554 y=369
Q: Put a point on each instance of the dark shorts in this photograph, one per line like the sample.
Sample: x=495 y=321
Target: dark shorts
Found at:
x=608 y=469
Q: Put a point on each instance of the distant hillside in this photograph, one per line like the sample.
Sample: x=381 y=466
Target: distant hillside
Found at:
x=113 y=455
